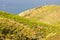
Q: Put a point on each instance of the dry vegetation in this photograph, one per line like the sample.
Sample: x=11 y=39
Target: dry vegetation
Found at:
x=49 y=14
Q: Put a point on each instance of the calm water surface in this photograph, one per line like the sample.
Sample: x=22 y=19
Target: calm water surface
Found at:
x=17 y=6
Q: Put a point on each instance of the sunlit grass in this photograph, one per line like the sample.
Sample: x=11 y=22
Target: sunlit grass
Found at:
x=15 y=27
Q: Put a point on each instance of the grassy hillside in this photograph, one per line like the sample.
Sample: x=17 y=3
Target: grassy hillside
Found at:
x=49 y=14
x=14 y=27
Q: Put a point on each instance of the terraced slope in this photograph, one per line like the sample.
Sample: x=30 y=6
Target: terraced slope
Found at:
x=14 y=27
x=49 y=14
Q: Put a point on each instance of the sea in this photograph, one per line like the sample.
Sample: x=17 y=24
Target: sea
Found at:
x=18 y=6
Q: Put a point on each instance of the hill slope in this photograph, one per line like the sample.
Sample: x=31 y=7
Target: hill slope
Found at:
x=49 y=14
x=13 y=27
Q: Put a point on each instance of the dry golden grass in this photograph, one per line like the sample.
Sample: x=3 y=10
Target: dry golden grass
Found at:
x=49 y=14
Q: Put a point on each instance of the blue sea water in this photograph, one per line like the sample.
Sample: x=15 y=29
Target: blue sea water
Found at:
x=17 y=6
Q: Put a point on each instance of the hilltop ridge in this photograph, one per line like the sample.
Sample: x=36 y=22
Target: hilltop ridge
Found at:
x=49 y=14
